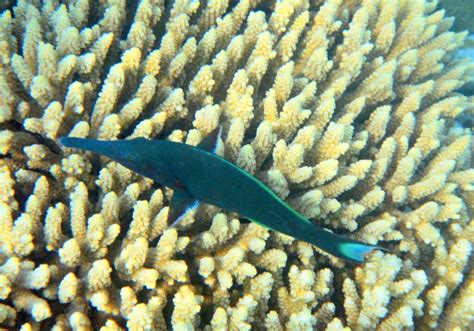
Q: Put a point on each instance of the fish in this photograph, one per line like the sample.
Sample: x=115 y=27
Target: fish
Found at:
x=196 y=174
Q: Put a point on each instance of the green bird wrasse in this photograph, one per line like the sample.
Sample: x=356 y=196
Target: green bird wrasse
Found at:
x=197 y=174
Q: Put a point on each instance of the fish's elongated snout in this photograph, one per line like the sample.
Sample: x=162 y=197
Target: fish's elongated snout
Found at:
x=69 y=142
x=122 y=151
x=91 y=145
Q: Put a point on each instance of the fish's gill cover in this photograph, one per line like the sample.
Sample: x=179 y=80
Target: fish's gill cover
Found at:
x=346 y=109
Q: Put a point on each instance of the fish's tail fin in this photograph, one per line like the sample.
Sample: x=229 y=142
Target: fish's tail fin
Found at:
x=340 y=246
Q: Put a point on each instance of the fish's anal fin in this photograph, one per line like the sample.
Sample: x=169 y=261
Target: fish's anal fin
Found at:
x=182 y=203
x=209 y=143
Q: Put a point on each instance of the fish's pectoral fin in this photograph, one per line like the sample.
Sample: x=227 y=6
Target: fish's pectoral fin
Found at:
x=209 y=143
x=182 y=202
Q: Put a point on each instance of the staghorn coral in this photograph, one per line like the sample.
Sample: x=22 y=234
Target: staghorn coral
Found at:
x=346 y=109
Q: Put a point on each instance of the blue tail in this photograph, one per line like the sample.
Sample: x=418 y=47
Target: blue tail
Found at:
x=337 y=245
x=356 y=251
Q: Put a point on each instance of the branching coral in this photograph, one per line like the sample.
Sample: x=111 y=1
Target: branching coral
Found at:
x=346 y=109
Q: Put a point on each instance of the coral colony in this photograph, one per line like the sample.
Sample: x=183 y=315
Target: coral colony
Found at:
x=347 y=110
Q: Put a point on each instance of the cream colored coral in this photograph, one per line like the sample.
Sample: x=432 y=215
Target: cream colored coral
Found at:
x=347 y=110
x=187 y=307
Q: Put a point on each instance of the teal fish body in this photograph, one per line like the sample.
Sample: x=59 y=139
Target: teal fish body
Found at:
x=197 y=174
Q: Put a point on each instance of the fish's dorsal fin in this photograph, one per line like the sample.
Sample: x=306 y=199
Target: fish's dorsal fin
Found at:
x=182 y=203
x=209 y=143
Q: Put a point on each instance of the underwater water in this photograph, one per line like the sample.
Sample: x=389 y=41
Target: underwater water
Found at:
x=237 y=135
x=463 y=11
